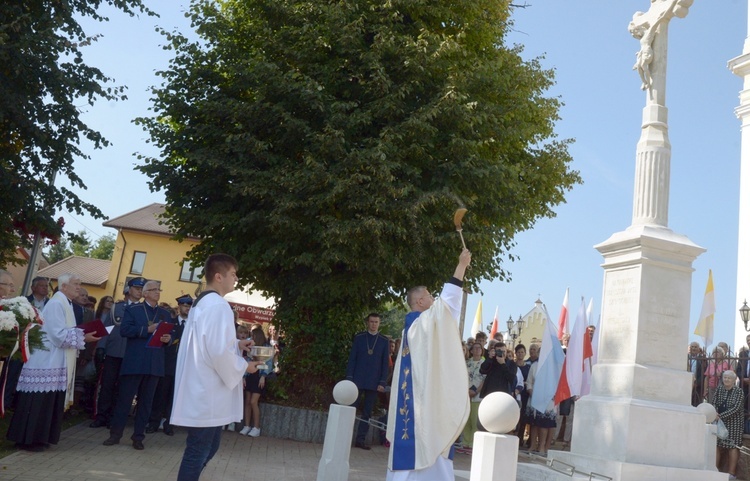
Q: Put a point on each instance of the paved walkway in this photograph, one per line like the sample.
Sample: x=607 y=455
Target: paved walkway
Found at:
x=80 y=456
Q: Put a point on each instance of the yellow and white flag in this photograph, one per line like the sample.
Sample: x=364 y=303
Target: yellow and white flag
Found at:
x=477 y=326
x=705 y=327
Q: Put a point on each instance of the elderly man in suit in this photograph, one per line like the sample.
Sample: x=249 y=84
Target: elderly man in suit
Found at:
x=142 y=366
x=39 y=292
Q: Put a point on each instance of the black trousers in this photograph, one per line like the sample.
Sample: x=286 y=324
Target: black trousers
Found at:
x=366 y=402
x=144 y=385
x=162 y=406
x=109 y=383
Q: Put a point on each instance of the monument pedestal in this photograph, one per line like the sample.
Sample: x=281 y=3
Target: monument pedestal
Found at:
x=637 y=424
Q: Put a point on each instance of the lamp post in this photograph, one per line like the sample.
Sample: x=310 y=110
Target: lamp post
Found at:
x=520 y=325
x=514 y=329
x=745 y=314
x=511 y=334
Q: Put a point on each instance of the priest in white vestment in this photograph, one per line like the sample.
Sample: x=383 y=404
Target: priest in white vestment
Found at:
x=429 y=403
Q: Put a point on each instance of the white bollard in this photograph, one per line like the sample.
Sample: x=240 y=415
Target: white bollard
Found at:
x=334 y=463
x=337 y=446
x=494 y=457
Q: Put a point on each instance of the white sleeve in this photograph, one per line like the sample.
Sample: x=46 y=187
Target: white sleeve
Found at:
x=220 y=345
x=452 y=296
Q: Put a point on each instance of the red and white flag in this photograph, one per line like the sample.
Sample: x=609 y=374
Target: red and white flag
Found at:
x=571 y=377
x=588 y=347
x=562 y=323
x=494 y=324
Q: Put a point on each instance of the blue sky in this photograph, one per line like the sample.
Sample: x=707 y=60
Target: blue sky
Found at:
x=588 y=45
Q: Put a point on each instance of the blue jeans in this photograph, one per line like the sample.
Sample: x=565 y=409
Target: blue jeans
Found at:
x=200 y=447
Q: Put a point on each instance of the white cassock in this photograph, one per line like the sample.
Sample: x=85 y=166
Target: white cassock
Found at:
x=431 y=373
x=208 y=379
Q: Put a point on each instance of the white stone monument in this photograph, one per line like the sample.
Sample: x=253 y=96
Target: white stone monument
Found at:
x=637 y=424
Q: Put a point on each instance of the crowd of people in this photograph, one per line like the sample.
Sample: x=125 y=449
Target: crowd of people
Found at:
x=722 y=378
x=493 y=366
x=115 y=376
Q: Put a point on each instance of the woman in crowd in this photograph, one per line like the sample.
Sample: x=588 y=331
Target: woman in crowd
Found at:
x=729 y=401
x=45 y=387
x=104 y=308
x=716 y=365
x=542 y=423
x=242 y=333
x=523 y=370
x=476 y=379
x=255 y=386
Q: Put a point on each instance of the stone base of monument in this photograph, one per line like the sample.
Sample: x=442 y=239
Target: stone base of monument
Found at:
x=565 y=466
x=616 y=471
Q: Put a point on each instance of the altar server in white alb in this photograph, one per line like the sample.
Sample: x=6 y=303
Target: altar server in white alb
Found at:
x=210 y=366
x=429 y=403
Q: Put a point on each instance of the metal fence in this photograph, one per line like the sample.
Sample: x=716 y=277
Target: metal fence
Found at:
x=707 y=371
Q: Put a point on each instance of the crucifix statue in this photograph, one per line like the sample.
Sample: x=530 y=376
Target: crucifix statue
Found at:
x=646 y=27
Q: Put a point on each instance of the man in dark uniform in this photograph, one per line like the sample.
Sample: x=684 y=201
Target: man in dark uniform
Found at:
x=162 y=408
x=368 y=368
x=142 y=366
x=112 y=349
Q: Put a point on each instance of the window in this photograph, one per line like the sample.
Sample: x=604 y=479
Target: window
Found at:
x=139 y=260
x=188 y=274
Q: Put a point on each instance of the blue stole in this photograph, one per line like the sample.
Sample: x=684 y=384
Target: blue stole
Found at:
x=404 y=444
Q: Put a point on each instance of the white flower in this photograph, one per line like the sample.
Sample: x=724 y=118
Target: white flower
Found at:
x=8 y=321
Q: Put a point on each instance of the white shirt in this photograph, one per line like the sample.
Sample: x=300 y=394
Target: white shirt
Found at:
x=208 y=380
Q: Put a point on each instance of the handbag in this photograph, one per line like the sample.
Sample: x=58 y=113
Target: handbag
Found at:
x=721 y=430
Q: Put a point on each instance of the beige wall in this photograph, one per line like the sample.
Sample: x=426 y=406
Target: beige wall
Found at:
x=163 y=263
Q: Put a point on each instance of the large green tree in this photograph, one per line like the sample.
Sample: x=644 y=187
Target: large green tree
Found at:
x=43 y=84
x=326 y=144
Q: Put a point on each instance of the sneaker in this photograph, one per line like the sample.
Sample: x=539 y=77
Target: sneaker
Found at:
x=245 y=430
x=230 y=427
x=254 y=433
x=732 y=476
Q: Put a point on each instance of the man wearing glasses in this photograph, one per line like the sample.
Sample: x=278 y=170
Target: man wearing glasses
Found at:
x=427 y=414
x=142 y=366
